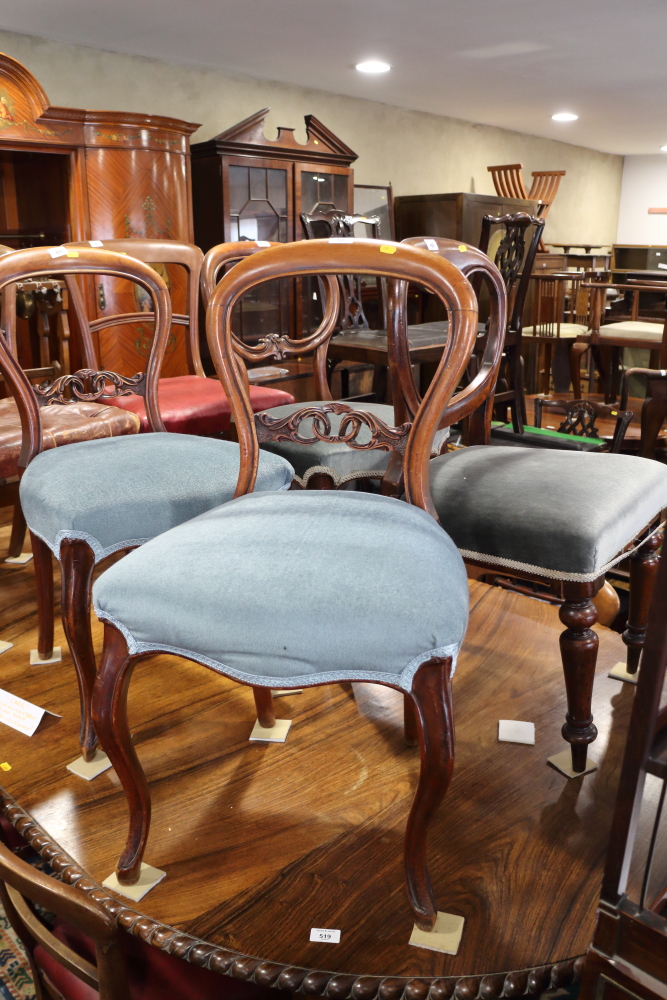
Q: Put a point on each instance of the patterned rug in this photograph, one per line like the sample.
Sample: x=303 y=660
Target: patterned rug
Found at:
x=15 y=978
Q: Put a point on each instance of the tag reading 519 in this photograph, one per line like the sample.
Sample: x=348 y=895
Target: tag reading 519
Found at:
x=323 y=934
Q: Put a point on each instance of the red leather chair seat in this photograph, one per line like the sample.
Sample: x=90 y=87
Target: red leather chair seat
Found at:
x=152 y=974
x=61 y=424
x=190 y=404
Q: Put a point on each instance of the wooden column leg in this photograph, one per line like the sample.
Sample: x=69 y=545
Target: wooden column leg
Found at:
x=643 y=569
x=579 y=650
x=43 y=560
x=432 y=700
x=576 y=350
x=77 y=562
x=18 y=532
x=111 y=722
x=410 y=726
x=264 y=706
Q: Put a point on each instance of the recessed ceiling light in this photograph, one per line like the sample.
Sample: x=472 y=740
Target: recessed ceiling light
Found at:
x=663 y=149
x=373 y=66
x=564 y=116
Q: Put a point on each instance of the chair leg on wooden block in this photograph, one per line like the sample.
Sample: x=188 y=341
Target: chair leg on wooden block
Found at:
x=579 y=650
x=77 y=562
x=112 y=726
x=432 y=704
x=643 y=569
x=43 y=561
x=410 y=726
x=264 y=706
x=19 y=528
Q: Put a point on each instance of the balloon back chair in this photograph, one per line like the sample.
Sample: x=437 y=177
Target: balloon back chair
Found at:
x=318 y=463
x=353 y=586
x=189 y=404
x=96 y=497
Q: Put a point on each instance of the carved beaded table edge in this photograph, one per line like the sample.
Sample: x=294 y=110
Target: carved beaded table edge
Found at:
x=250 y=968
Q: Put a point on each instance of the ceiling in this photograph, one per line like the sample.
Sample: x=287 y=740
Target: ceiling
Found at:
x=511 y=63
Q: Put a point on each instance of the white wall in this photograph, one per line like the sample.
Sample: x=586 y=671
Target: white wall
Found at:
x=419 y=153
x=644 y=186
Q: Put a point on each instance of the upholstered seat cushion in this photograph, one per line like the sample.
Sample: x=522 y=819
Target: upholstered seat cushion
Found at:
x=296 y=588
x=551 y=331
x=565 y=515
x=61 y=424
x=193 y=405
x=632 y=330
x=543 y=437
x=339 y=457
x=123 y=491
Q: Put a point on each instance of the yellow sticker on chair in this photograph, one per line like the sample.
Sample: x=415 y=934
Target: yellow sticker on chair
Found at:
x=6 y=766
x=72 y=253
x=463 y=248
x=387 y=249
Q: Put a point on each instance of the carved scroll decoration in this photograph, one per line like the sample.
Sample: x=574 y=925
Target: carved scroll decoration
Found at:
x=580 y=414
x=88 y=386
x=383 y=437
x=311 y=982
x=509 y=255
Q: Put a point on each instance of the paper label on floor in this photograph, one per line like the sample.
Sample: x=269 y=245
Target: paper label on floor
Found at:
x=90 y=769
x=323 y=934
x=55 y=657
x=4 y=646
x=445 y=936
x=277 y=734
x=511 y=731
x=148 y=878
x=19 y=714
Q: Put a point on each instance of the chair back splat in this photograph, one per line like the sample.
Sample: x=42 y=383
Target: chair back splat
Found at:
x=383 y=260
x=628 y=956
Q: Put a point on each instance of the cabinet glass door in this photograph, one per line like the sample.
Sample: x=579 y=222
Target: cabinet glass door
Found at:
x=259 y=199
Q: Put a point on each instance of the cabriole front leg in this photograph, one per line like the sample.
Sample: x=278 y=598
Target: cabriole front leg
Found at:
x=579 y=650
x=111 y=722
x=432 y=701
x=77 y=562
x=643 y=569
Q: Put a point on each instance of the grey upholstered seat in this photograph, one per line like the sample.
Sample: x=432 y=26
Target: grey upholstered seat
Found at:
x=283 y=586
x=120 y=491
x=564 y=515
x=342 y=459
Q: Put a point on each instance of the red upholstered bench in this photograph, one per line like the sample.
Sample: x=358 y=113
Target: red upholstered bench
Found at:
x=190 y=404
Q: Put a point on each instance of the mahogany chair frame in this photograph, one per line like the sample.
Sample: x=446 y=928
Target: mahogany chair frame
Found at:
x=580 y=417
x=654 y=406
x=515 y=265
x=20 y=885
x=150 y=251
x=628 y=954
x=431 y=690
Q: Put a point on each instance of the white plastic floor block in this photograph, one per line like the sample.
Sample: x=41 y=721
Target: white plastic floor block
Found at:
x=4 y=646
x=278 y=734
x=90 y=769
x=511 y=731
x=282 y=692
x=563 y=763
x=21 y=560
x=148 y=878
x=445 y=936
x=619 y=673
x=36 y=661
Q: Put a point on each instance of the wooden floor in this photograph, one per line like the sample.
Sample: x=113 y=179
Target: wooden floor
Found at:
x=262 y=842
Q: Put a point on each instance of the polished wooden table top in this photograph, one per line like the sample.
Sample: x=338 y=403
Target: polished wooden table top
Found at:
x=261 y=842
x=426 y=340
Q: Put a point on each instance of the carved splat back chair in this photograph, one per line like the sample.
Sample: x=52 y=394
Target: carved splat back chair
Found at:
x=628 y=954
x=508 y=182
x=579 y=423
x=351 y=586
x=319 y=464
x=85 y=955
x=189 y=404
x=99 y=496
